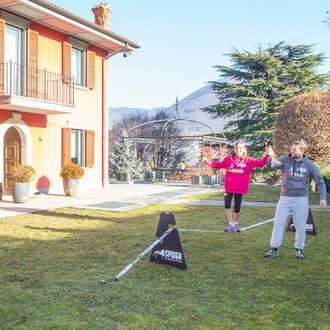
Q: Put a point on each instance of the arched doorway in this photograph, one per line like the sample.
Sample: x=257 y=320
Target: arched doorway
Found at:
x=11 y=155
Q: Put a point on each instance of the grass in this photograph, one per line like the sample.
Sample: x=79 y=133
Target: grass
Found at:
x=52 y=263
x=257 y=193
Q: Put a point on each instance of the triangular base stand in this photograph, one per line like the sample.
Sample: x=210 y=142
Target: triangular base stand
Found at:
x=168 y=252
x=310 y=227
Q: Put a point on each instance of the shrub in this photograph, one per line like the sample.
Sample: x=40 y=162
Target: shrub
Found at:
x=326 y=178
x=21 y=173
x=72 y=171
x=306 y=116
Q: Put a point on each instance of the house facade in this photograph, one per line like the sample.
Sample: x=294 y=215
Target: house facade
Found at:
x=54 y=91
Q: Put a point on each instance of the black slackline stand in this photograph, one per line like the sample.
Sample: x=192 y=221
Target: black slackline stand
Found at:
x=166 y=249
x=310 y=226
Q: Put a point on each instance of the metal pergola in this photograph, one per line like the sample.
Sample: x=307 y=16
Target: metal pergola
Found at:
x=203 y=140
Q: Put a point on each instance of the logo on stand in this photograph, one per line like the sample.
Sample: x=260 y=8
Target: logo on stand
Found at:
x=310 y=227
x=168 y=252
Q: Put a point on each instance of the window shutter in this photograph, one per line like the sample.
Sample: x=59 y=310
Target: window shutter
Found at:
x=66 y=59
x=32 y=62
x=66 y=146
x=2 y=54
x=89 y=148
x=90 y=70
x=33 y=48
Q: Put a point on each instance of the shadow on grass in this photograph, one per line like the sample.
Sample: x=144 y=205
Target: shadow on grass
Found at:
x=71 y=215
x=53 y=229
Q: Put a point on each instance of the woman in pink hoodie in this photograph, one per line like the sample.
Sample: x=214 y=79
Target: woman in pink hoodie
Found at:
x=238 y=167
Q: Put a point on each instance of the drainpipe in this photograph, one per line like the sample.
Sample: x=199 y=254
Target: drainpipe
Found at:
x=105 y=125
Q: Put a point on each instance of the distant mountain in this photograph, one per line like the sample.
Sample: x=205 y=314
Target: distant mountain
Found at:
x=115 y=114
x=197 y=100
x=189 y=107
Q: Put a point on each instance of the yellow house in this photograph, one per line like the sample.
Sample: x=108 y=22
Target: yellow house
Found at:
x=54 y=91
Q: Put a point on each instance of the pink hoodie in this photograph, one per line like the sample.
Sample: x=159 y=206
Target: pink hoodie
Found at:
x=238 y=172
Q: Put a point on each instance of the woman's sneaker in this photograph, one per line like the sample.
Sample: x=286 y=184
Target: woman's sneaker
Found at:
x=237 y=228
x=271 y=253
x=299 y=254
x=230 y=229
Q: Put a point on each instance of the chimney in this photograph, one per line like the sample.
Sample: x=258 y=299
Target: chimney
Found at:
x=102 y=13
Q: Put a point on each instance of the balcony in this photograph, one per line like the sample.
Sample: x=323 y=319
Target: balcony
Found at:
x=27 y=89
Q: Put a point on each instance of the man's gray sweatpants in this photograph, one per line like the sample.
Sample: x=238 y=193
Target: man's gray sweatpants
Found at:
x=299 y=207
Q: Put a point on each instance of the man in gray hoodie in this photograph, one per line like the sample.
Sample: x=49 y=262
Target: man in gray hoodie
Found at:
x=296 y=173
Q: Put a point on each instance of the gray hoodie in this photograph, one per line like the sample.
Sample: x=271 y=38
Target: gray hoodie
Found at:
x=296 y=176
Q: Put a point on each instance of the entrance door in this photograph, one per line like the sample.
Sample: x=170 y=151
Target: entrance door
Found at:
x=11 y=152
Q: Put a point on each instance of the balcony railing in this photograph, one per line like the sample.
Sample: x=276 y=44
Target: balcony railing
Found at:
x=26 y=81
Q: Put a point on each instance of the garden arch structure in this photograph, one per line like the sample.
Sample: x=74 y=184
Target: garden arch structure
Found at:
x=217 y=144
x=196 y=145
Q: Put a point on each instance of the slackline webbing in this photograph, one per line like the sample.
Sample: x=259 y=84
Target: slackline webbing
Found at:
x=257 y=224
x=320 y=210
x=221 y=231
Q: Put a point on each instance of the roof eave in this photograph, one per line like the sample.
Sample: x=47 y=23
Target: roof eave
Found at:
x=83 y=21
x=56 y=18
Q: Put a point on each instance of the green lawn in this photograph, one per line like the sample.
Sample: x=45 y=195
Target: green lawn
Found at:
x=258 y=193
x=52 y=263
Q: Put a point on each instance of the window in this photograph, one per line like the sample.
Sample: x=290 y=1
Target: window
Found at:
x=18 y=48
x=78 y=147
x=79 y=63
x=13 y=58
x=13 y=41
x=77 y=66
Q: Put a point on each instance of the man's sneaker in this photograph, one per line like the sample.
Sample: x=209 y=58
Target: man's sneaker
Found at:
x=230 y=229
x=299 y=254
x=271 y=253
x=237 y=228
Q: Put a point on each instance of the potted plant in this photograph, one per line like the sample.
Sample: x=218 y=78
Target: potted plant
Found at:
x=124 y=176
x=125 y=162
x=210 y=179
x=21 y=176
x=70 y=174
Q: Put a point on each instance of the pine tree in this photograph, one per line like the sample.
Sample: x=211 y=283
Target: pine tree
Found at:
x=259 y=85
x=124 y=160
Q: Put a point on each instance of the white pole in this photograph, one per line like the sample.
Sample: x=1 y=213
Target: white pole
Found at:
x=117 y=278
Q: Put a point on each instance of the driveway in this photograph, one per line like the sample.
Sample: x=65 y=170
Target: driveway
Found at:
x=115 y=197
x=118 y=197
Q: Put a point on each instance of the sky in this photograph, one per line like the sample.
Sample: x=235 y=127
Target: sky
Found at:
x=181 y=41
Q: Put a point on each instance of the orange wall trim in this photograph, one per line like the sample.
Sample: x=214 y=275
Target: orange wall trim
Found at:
x=34 y=120
x=48 y=32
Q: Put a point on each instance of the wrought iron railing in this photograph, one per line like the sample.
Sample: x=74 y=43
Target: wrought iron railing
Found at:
x=26 y=81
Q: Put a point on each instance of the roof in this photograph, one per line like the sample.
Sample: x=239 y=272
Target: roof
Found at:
x=59 y=19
